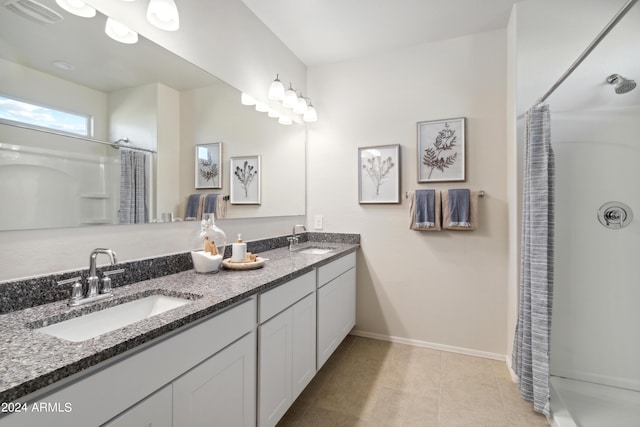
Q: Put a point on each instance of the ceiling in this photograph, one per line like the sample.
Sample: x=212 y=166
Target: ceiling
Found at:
x=325 y=31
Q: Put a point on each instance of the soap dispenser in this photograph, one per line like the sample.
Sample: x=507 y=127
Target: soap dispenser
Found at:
x=238 y=250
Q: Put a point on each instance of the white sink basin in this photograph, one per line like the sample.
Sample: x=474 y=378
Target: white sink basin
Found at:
x=313 y=250
x=100 y=322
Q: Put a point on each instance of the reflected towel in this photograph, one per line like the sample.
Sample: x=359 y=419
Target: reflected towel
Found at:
x=425 y=208
x=193 y=203
x=472 y=218
x=210 y=204
x=413 y=209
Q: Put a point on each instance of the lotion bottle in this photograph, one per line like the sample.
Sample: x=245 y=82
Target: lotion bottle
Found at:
x=238 y=250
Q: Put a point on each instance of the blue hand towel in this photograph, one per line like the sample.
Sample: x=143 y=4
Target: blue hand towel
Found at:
x=459 y=207
x=425 y=208
x=193 y=203
x=210 y=203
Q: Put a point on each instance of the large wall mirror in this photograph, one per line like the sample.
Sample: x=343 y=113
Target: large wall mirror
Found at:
x=143 y=96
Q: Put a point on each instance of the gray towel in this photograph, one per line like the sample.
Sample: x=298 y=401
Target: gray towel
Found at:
x=210 y=203
x=459 y=207
x=425 y=208
x=192 y=206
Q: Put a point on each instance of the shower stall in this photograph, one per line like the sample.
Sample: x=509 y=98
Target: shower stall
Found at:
x=595 y=329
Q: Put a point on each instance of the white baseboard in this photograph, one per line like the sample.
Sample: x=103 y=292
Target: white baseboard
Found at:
x=434 y=346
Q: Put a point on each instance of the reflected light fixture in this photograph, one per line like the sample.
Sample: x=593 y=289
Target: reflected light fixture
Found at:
x=311 y=115
x=273 y=113
x=276 y=90
x=284 y=120
x=246 y=99
x=163 y=14
x=120 y=32
x=77 y=7
x=290 y=98
x=263 y=108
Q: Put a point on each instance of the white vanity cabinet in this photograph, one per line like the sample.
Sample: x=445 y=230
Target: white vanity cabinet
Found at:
x=286 y=346
x=336 y=304
x=117 y=390
x=154 y=411
x=221 y=391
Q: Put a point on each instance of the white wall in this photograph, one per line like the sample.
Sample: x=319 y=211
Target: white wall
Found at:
x=446 y=288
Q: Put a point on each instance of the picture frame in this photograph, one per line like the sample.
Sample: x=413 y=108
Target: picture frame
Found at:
x=441 y=150
x=245 y=178
x=379 y=174
x=208 y=165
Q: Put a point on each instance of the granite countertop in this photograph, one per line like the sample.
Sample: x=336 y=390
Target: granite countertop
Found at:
x=33 y=360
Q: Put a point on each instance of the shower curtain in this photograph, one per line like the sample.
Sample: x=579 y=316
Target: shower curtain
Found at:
x=533 y=331
x=133 y=188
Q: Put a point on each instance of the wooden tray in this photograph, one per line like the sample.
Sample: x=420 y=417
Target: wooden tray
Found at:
x=258 y=263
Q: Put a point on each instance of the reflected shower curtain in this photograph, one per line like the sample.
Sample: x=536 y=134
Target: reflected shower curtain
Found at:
x=133 y=188
x=533 y=332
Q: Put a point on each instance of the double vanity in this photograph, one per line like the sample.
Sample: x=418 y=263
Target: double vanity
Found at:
x=234 y=348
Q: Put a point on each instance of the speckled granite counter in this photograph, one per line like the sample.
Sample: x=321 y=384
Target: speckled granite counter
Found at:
x=32 y=360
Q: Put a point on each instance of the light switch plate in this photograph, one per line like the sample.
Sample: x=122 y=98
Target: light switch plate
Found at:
x=317 y=222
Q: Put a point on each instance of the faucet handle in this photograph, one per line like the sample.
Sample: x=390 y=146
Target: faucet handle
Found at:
x=106 y=280
x=77 y=290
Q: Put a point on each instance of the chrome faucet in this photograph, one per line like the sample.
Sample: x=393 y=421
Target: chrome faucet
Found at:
x=295 y=238
x=93 y=282
x=79 y=296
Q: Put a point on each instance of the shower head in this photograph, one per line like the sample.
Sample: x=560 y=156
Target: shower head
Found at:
x=118 y=143
x=622 y=85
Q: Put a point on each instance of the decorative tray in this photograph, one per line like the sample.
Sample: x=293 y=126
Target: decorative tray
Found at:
x=244 y=265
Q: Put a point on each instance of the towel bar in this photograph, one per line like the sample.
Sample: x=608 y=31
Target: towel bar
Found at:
x=481 y=193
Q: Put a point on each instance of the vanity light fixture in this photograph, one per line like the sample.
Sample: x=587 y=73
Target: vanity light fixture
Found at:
x=246 y=99
x=120 y=32
x=311 y=115
x=77 y=7
x=276 y=90
x=301 y=106
x=163 y=14
x=290 y=98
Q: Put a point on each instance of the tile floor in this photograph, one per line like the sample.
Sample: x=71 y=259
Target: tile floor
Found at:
x=372 y=383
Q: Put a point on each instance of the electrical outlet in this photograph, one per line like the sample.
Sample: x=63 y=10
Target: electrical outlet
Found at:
x=317 y=222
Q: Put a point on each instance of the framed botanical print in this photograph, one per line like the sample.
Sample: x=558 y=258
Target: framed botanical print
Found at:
x=441 y=150
x=379 y=174
x=209 y=165
x=245 y=180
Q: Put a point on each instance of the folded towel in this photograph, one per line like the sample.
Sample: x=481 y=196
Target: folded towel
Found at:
x=460 y=210
x=193 y=207
x=459 y=207
x=424 y=210
x=221 y=208
x=210 y=204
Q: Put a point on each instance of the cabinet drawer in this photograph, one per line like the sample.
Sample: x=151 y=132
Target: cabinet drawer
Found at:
x=328 y=272
x=277 y=299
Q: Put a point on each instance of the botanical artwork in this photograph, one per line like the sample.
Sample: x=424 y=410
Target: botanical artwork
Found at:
x=208 y=165
x=441 y=150
x=379 y=174
x=245 y=180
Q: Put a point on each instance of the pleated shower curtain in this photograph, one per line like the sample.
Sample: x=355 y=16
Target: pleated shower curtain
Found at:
x=133 y=187
x=533 y=331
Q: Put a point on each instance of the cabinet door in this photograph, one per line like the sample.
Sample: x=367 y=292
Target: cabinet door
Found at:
x=304 y=344
x=336 y=313
x=154 y=411
x=274 y=370
x=221 y=391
